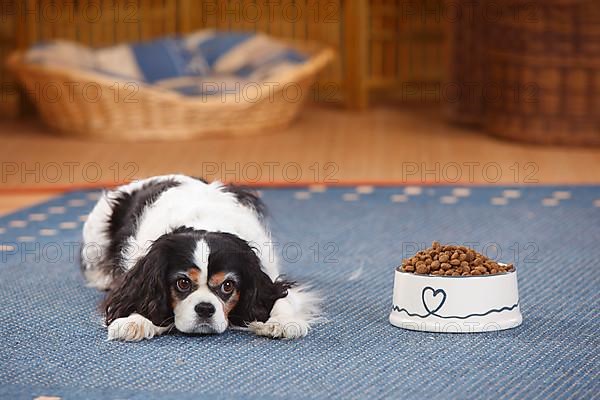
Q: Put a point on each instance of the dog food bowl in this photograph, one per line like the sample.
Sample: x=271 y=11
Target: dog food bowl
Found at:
x=455 y=304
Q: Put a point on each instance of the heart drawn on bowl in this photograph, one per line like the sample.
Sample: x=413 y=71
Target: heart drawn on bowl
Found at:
x=433 y=299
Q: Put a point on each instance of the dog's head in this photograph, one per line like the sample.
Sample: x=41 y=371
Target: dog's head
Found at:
x=200 y=281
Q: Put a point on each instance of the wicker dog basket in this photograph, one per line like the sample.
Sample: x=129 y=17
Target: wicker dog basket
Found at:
x=544 y=72
x=90 y=105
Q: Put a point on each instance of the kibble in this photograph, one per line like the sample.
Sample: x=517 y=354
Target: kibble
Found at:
x=448 y=260
x=422 y=269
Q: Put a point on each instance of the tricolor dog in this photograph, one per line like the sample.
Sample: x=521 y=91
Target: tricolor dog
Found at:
x=176 y=252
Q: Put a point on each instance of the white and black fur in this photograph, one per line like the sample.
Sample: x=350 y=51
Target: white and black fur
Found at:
x=177 y=252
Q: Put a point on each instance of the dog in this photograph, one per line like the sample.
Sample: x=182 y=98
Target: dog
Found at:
x=178 y=252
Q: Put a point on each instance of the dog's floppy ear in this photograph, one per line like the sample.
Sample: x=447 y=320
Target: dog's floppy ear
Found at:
x=142 y=290
x=258 y=294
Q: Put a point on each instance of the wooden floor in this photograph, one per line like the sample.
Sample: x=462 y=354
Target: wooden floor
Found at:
x=325 y=146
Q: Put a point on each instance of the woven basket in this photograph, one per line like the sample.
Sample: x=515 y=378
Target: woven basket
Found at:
x=544 y=72
x=90 y=105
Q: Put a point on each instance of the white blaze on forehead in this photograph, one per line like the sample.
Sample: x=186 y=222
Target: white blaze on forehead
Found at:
x=186 y=319
x=201 y=259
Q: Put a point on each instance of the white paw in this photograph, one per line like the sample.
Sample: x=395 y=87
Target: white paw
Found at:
x=284 y=329
x=133 y=328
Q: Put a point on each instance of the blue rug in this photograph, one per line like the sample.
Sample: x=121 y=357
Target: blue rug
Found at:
x=346 y=241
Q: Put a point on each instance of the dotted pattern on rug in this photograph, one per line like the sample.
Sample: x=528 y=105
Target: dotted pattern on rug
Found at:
x=350 y=240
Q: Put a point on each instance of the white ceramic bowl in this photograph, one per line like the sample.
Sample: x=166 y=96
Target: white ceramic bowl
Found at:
x=455 y=304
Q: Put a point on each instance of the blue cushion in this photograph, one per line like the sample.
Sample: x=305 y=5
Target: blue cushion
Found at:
x=221 y=43
x=160 y=59
x=177 y=63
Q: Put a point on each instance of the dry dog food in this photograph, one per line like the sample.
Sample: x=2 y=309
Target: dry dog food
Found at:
x=452 y=261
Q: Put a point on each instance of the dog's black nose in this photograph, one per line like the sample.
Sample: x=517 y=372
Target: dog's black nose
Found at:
x=204 y=310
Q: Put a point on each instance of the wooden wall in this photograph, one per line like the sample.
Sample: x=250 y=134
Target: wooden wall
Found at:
x=381 y=43
x=9 y=98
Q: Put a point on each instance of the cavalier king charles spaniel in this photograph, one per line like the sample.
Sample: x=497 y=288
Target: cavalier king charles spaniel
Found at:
x=178 y=252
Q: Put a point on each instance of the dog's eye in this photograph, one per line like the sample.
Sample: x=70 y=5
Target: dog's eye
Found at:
x=183 y=284
x=227 y=287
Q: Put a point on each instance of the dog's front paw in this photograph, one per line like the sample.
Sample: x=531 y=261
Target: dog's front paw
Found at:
x=133 y=328
x=275 y=328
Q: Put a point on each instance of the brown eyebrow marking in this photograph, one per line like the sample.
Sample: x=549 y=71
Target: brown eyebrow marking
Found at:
x=216 y=279
x=194 y=274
